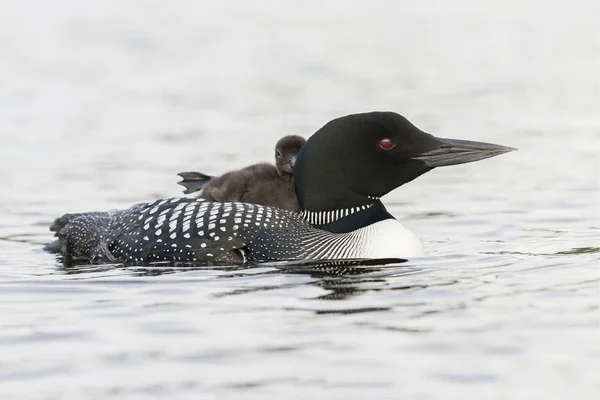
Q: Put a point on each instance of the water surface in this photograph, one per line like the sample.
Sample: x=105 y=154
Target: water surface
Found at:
x=101 y=103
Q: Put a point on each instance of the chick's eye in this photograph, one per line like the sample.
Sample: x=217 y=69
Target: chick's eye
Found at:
x=278 y=153
x=387 y=144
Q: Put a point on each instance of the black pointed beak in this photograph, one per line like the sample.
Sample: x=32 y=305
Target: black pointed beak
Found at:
x=455 y=151
x=292 y=161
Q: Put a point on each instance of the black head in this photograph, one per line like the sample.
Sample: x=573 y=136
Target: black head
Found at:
x=358 y=157
x=286 y=152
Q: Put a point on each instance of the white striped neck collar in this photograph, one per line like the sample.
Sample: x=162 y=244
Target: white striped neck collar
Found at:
x=327 y=217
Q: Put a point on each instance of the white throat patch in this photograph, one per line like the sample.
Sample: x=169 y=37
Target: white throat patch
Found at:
x=388 y=239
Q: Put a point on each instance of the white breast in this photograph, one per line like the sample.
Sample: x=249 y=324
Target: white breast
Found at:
x=388 y=239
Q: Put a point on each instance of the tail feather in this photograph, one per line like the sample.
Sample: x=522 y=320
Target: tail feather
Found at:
x=61 y=222
x=78 y=235
x=193 y=181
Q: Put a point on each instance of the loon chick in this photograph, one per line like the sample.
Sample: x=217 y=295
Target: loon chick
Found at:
x=340 y=174
x=264 y=184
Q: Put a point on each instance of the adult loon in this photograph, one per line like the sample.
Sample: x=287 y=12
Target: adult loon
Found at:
x=264 y=184
x=340 y=175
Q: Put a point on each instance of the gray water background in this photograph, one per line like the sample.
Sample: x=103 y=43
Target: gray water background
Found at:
x=101 y=103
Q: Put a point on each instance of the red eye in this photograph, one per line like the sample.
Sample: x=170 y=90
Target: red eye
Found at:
x=386 y=144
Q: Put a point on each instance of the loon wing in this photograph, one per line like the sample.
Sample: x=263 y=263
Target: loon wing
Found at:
x=193 y=181
x=177 y=230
